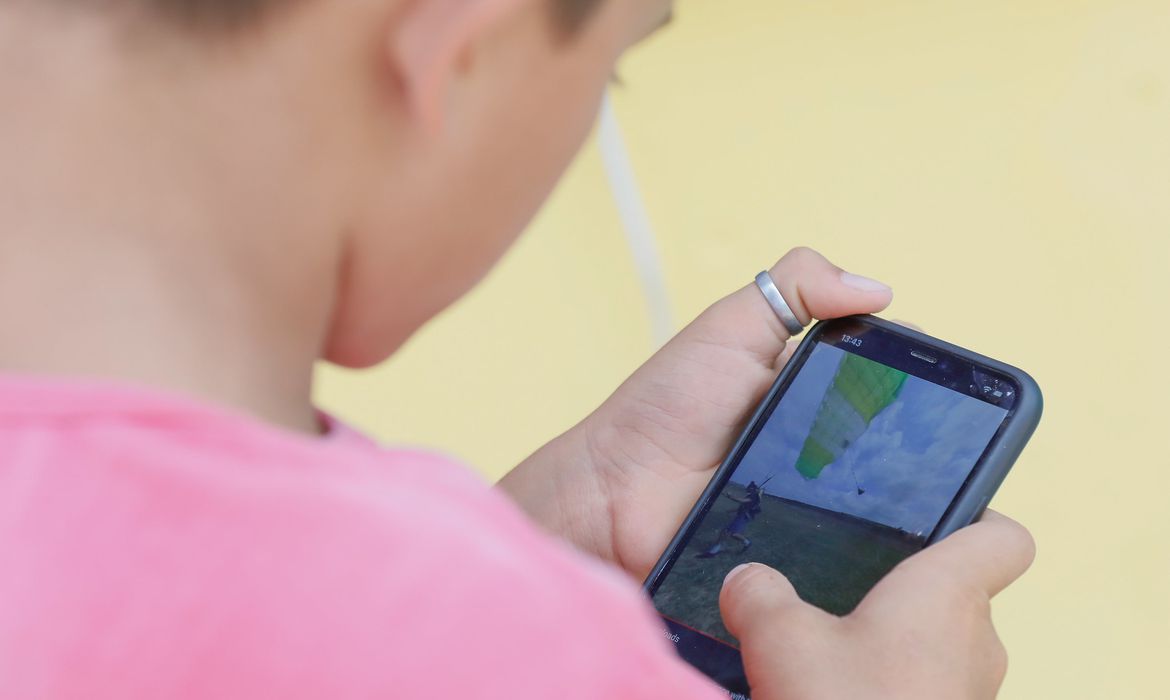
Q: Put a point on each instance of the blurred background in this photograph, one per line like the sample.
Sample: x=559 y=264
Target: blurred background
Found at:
x=1005 y=165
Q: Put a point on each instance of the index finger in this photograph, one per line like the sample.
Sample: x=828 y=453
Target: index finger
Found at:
x=988 y=555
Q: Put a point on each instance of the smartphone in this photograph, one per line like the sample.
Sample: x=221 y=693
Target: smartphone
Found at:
x=874 y=442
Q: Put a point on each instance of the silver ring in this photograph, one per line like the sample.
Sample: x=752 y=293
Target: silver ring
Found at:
x=776 y=301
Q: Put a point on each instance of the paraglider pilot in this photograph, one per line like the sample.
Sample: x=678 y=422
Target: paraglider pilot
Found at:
x=749 y=508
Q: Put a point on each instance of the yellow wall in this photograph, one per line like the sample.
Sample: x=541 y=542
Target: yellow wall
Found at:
x=1004 y=164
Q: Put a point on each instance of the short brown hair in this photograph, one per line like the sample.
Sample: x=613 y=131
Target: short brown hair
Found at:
x=570 y=15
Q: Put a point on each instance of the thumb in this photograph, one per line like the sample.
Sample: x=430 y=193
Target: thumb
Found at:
x=813 y=287
x=756 y=600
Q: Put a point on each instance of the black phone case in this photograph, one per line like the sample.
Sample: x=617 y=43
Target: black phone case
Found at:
x=975 y=494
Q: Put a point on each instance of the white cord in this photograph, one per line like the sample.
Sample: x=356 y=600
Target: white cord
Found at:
x=636 y=221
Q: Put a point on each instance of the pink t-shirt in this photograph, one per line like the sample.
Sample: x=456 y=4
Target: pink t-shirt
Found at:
x=155 y=547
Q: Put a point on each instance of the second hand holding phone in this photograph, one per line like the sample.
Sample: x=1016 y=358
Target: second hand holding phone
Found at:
x=875 y=442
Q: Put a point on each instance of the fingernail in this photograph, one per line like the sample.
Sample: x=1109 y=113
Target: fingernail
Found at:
x=865 y=284
x=731 y=574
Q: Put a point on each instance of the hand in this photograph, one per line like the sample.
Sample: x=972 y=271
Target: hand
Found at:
x=619 y=484
x=923 y=633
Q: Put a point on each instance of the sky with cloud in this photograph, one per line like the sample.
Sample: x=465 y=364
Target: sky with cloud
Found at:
x=911 y=461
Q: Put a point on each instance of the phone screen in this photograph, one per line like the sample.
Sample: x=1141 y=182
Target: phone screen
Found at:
x=849 y=472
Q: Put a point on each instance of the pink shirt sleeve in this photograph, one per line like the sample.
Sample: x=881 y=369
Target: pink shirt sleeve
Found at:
x=155 y=548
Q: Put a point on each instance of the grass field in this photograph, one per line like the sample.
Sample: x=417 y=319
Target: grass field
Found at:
x=832 y=559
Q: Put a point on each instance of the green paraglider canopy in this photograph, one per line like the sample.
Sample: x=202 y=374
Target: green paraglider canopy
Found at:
x=861 y=389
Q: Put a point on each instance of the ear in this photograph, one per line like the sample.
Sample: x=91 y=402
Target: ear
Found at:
x=432 y=42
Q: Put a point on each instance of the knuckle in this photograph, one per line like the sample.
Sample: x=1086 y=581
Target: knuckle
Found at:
x=994 y=655
x=972 y=601
x=998 y=658
x=801 y=255
x=962 y=600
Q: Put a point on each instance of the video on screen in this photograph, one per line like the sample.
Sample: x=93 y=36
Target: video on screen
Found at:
x=849 y=476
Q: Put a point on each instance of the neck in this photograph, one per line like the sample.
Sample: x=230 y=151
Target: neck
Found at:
x=104 y=307
x=133 y=246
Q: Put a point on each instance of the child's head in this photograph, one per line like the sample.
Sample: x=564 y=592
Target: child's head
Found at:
x=417 y=136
